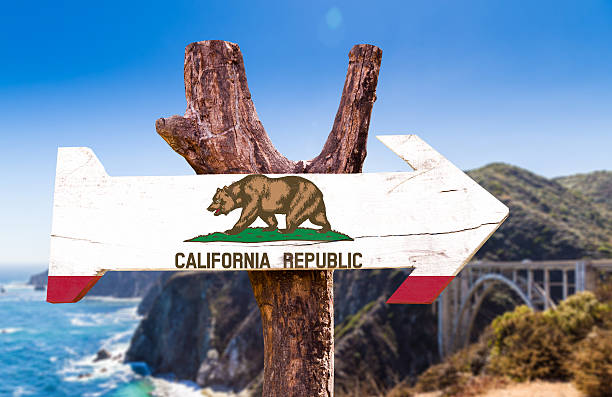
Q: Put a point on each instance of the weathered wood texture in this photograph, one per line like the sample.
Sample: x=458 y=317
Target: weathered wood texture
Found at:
x=432 y=219
x=298 y=320
x=221 y=133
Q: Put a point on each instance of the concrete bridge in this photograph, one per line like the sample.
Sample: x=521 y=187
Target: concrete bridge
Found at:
x=538 y=284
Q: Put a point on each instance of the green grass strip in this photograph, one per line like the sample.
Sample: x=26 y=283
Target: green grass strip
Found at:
x=257 y=235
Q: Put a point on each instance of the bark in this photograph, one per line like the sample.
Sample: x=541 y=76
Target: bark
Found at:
x=221 y=133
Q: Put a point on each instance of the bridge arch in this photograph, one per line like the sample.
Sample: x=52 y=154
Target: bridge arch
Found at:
x=471 y=286
x=492 y=279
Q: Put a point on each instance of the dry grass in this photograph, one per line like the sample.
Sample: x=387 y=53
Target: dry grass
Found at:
x=527 y=389
x=536 y=389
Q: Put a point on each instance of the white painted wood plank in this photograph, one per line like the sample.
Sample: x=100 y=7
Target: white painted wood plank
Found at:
x=432 y=219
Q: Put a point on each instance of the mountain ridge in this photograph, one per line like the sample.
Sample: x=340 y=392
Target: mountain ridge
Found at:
x=547 y=219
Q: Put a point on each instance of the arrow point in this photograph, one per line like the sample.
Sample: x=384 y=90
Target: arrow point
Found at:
x=413 y=150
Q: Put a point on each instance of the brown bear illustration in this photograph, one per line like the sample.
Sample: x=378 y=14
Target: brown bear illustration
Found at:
x=260 y=196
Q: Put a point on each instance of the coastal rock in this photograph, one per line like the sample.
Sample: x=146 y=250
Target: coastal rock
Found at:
x=206 y=327
x=240 y=361
x=383 y=344
x=378 y=344
x=203 y=327
x=102 y=354
x=355 y=289
x=126 y=284
x=39 y=280
x=154 y=290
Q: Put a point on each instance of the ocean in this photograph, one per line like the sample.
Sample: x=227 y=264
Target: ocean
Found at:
x=49 y=350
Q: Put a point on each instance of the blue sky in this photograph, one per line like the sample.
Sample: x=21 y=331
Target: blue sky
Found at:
x=523 y=82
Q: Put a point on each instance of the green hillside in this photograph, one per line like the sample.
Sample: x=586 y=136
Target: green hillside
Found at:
x=595 y=185
x=563 y=218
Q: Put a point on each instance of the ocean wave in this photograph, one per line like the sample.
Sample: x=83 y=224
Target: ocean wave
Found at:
x=128 y=314
x=118 y=343
x=17 y=285
x=112 y=299
x=9 y=330
x=85 y=320
x=170 y=388
x=166 y=388
x=65 y=355
x=22 y=391
x=20 y=292
x=86 y=369
x=70 y=350
x=112 y=369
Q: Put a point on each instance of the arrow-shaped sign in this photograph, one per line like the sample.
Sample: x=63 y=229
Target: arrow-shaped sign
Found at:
x=432 y=220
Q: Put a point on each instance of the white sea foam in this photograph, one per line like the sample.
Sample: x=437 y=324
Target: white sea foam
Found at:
x=22 y=391
x=118 y=342
x=86 y=320
x=65 y=352
x=20 y=292
x=113 y=370
x=127 y=314
x=86 y=369
x=207 y=392
x=165 y=388
x=112 y=299
x=17 y=285
x=69 y=350
x=9 y=330
x=93 y=394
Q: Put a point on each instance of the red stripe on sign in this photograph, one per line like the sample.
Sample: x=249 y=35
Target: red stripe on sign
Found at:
x=69 y=289
x=420 y=289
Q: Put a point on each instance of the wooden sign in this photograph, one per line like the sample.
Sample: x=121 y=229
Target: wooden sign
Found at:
x=432 y=220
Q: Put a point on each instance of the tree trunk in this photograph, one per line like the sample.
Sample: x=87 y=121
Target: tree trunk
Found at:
x=221 y=133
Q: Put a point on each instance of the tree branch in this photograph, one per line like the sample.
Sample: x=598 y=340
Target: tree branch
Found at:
x=221 y=132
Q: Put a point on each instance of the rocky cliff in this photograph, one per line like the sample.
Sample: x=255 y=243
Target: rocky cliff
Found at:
x=203 y=327
x=378 y=345
x=207 y=328
x=38 y=280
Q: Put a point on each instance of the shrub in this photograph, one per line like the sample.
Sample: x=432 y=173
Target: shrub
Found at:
x=591 y=364
x=603 y=290
x=402 y=389
x=577 y=314
x=454 y=375
x=440 y=376
x=528 y=345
